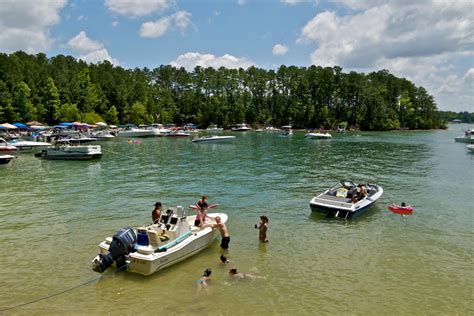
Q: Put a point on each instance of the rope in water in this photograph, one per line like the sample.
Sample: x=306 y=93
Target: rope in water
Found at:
x=50 y=296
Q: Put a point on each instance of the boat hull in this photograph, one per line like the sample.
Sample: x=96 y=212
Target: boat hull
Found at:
x=213 y=139
x=71 y=153
x=467 y=140
x=4 y=159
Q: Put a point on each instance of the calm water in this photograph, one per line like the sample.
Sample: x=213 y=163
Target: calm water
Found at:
x=54 y=214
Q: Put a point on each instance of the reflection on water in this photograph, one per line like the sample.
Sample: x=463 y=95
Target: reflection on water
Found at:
x=54 y=214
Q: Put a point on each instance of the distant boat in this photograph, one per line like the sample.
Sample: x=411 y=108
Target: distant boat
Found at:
x=341 y=129
x=102 y=135
x=214 y=128
x=286 y=130
x=318 y=135
x=4 y=159
x=71 y=152
x=213 y=138
x=470 y=147
x=241 y=128
x=27 y=145
x=467 y=138
x=6 y=148
x=131 y=131
x=177 y=133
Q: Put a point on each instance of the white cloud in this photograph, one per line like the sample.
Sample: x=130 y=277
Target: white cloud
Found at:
x=241 y=2
x=90 y=51
x=180 y=19
x=279 y=50
x=136 y=8
x=83 y=44
x=424 y=41
x=296 y=2
x=25 y=24
x=191 y=60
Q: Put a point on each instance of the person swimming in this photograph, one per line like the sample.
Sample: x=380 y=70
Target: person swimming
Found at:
x=206 y=276
x=224 y=259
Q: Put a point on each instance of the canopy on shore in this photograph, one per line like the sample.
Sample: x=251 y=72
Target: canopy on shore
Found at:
x=8 y=126
x=20 y=125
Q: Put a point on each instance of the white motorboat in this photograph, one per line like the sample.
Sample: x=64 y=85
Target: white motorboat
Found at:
x=318 y=135
x=158 y=129
x=4 y=159
x=27 y=145
x=241 y=128
x=132 y=131
x=6 y=148
x=102 y=135
x=467 y=138
x=214 y=128
x=71 y=152
x=150 y=248
x=213 y=138
x=177 y=133
x=341 y=200
x=470 y=147
x=286 y=130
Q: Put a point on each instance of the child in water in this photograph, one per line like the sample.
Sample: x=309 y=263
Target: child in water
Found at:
x=206 y=276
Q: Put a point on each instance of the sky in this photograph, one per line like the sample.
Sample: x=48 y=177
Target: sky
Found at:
x=430 y=42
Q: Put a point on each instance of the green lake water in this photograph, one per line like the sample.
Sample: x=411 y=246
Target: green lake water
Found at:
x=54 y=214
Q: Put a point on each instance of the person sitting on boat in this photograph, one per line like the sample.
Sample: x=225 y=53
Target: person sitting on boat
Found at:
x=362 y=193
x=156 y=213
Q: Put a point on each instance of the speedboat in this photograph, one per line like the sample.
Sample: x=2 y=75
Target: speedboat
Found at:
x=131 y=131
x=177 y=133
x=214 y=128
x=27 y=145
x=318 y=135
x=338 y=200
x=102 y=135
x=150 y=248
x=6 y=148
x=241 y=128
x=470 y=147
x=71 y=152
x=467 y=138
x=213 y=138
x=4 y=159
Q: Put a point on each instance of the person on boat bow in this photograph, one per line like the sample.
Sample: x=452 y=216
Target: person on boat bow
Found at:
x=362 y=193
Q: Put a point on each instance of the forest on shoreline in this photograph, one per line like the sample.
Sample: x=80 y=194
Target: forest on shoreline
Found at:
x=62 y=88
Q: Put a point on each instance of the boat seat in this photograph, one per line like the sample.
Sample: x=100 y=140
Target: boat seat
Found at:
x=153 y=238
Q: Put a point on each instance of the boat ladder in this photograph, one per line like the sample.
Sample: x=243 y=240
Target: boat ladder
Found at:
x=337 y=215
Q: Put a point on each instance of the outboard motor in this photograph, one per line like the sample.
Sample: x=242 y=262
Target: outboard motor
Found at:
x=122 y=244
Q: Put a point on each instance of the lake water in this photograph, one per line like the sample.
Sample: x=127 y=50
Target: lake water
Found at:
x=54 y=214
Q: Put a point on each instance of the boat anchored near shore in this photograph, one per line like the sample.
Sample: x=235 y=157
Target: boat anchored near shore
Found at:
x=150 y=248
x=213 y=138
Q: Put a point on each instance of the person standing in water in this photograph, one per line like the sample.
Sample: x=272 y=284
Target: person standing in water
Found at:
x=262 y=228
x=224 y=232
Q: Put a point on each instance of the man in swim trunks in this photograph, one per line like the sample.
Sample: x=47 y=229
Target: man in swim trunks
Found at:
x=224 y=232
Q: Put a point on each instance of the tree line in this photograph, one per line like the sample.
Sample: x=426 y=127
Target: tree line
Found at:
x=62 y=88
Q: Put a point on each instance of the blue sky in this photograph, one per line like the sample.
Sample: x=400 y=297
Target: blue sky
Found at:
x=430 y=42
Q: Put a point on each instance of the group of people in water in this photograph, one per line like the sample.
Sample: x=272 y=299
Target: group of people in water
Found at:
x=201 y=208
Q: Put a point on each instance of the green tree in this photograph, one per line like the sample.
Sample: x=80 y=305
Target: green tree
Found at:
x=51 y=102
x=69 y=113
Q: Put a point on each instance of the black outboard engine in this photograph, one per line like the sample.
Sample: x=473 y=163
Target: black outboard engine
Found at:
x=122 y=244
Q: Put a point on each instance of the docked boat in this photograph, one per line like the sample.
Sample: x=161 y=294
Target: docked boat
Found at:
x=71 y=152
x=339 y=201
x=27 y=145
x=470 y=147
x=4 y=159
x=318 y=135
x=102 y=135
x=213 y=138
x=150 y=248
x=177 y=133
x=132 y=131
x=467 y=138
x=6 y=147
x=214 y=128
x=241 y=128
